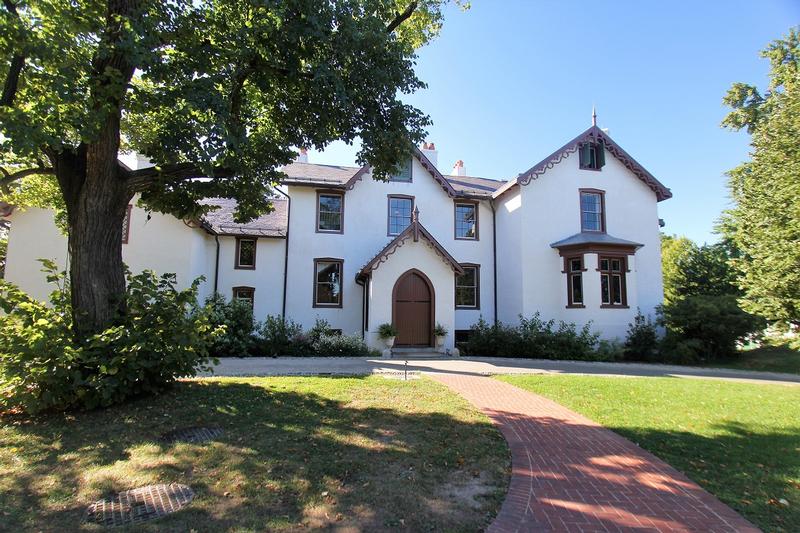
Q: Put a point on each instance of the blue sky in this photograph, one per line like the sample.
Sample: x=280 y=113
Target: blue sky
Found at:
x=511 y=81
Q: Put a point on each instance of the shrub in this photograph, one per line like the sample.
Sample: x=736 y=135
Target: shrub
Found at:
x=705 y=327
x=610 y=350
x=533 y=338
x=641 y=343
x=342 y=346
x=439 y=330
x=237 y=319
x=279 y=336
x=162 y=336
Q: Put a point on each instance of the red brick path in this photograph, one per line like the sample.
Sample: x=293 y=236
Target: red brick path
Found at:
x=571 y=474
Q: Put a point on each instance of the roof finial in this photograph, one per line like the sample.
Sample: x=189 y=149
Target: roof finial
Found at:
x=594 y=116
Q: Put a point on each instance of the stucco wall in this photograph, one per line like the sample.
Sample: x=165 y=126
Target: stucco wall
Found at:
x=365 y=234
x=551 y=212
x=266 y=279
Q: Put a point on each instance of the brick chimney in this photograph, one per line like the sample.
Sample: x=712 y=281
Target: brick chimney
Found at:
x=458 y=169
x=302 y=157
x=430 y=151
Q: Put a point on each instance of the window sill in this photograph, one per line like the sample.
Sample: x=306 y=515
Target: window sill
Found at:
x=617 y=306
x=590 y=168
x=576 y=306
x=462 y=308
x=467 y=239
x=239 y=267
x=331 y=232
x=327 y=306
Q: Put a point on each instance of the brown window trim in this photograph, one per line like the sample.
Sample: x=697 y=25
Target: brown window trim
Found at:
x=389 y=213
x=314 y=303
x=623 y=281
x=330 y=192
x=236 y=264
x=251 y=290
x=127 y=234
x=602 y=194
x=477 y=306
x=569 y=273
x=580 y=165
x=476 y=205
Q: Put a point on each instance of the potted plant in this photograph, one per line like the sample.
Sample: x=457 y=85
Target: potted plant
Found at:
x=440 y=332
x=387 y=332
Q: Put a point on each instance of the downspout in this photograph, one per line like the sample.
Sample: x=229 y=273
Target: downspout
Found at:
x=494 y=256
x=286 y=250
x=216 y=266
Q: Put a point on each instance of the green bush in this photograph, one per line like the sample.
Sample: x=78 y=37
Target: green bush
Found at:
x=532 y=338
x=236 y=318
x=277 y=337
x=642 y=343
x=342 y=346
x=162 y=336
x=705 y=328
x=610 y=350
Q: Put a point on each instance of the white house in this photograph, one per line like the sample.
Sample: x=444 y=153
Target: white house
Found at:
x=575 y=237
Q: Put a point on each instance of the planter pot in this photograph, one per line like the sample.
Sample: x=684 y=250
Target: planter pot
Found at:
x=440 y=340
x=389 y=341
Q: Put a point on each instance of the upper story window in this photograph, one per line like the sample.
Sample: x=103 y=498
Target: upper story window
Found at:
x=403 y=173
x=612 y=281
x=574 y=269
x=328 y=282
x=330 y=212
x=400 y=209
x=468 y=288
x=466 y=220
x=593 y=156
x=592 y=210
x=244 y=294
x=126 y=225
x=245 y=253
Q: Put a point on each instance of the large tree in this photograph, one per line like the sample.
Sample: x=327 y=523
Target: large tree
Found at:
x=764 y=222
x=220 y=89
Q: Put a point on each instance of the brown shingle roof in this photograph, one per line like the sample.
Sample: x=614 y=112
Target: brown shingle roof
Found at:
x=221 y=221
x=474 y=185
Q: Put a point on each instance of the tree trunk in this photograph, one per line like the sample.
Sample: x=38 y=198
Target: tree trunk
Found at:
x=96 y=197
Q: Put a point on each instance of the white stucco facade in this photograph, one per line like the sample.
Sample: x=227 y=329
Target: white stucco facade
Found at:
x=518 y=223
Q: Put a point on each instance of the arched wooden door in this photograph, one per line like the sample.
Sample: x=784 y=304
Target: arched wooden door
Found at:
x=412 y=309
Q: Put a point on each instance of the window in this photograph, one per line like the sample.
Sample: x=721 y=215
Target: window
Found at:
x=612 y=281
x=574 y=269
x=245 y=254
x=467 y=221
x=593 y=156
x=126 y=225
x=330 y=212
x=244 y=294
x=592 y=210
x=468 y=288
x=328 y=282
x=403 y=173
x=400 y=208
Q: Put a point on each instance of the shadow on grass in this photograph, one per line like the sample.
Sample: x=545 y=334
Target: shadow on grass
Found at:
x=289 y=458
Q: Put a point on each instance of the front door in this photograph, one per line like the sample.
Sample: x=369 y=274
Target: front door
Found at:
x=413 y=308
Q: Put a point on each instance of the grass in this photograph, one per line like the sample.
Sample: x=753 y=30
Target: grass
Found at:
x=766 y=359
x=367 y=454
x=740 y=442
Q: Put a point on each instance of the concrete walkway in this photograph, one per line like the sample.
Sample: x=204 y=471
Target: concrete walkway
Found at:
x=570 y=474
x=477 y=366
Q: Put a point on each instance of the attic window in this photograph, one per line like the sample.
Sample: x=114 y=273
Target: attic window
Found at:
x=403 y=173
x=593 y=155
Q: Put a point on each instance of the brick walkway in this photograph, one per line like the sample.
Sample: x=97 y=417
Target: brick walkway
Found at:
x=571 y=474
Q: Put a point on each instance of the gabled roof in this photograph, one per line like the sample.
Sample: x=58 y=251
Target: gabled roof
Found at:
x=221 y=222
x=414 y=231
x=593 y=134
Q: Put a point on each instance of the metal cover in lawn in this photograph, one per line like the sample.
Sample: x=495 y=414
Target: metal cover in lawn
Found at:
x=192 y=435
x=139 y=505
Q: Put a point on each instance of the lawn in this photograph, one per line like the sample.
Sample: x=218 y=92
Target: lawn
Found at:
x=741 y=442
x=767 y=359
x=369 y=454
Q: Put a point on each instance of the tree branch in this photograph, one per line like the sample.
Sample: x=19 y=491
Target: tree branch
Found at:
x=401 y=17
x=15 y=69
x=10 y=177
x=139 y=180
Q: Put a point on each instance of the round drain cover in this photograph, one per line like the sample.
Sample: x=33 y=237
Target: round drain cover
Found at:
x=139 y=505
x=192 y=435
